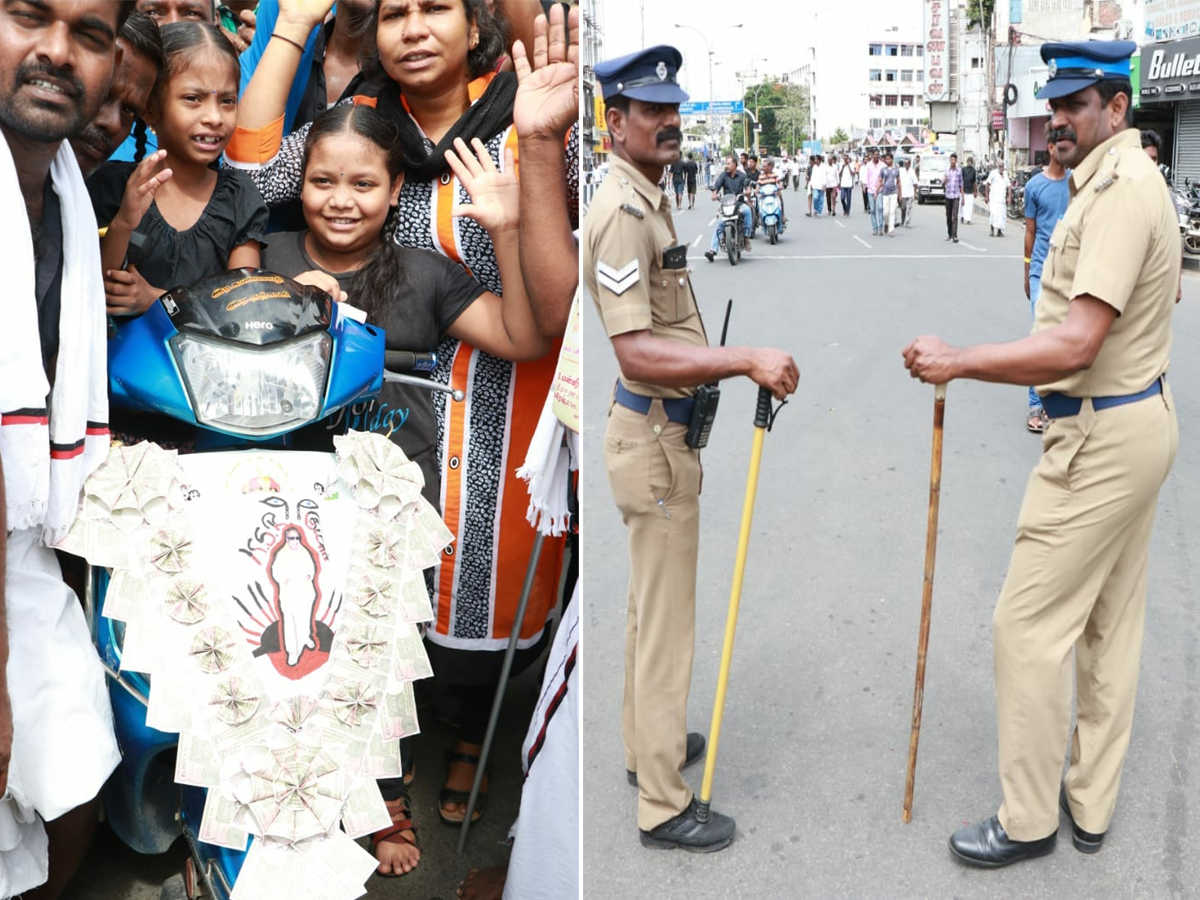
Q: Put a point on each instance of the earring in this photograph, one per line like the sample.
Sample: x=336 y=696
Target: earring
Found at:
x=474 y=42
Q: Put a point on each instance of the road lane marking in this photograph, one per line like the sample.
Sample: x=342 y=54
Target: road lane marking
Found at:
x=973 y=247
x=696 y=242
x=861 y=241
x=838 y=224
x=712 y=221
x=758 y=255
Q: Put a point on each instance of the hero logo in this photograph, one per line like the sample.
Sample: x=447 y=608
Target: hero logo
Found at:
x=260 y=326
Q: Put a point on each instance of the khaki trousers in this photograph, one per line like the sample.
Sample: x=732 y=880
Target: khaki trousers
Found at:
x=655 y=480
x=1077 y=582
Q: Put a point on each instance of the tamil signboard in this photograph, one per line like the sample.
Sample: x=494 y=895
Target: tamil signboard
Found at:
x=1172 y=20
x=937 y=51
x=1170 y=72
x=714 y=108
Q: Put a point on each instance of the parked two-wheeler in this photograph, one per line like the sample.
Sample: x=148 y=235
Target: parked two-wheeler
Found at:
x=249 y=370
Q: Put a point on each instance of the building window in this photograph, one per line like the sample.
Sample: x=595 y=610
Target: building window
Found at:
x=876 y=101
x=877 y=75
x=876 y=123
x=906 y=122
x=877 y=49
x=906 y=74
x=890 y=100
x=906 y=49
x=906 y=100
x=890 y=122
x=976 y=62
x=892 y=50
x=920 y=75
x=920 y=49
x=890 y=75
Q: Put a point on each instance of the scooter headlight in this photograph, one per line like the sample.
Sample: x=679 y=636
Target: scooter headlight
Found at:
x=254 y=390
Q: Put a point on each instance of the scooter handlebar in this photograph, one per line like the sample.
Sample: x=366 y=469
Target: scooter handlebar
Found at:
x=409 y=361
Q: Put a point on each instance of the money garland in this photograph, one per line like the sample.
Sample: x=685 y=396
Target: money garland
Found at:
x=289 y=770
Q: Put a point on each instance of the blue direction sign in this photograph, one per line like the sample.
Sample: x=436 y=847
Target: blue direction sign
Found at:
x=716 y=108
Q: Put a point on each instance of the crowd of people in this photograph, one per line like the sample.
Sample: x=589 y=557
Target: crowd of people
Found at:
x=371 y=151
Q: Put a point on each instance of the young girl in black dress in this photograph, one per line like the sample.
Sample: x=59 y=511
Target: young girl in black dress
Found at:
x=195 y=220
x=352 y=174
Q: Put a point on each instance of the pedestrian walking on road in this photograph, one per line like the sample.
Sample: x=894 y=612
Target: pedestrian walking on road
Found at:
x=637 y=274
x=691 y=172
x=846 y=182
x=872 y=170
x=1046 y=197
x=831 y=184
x=966 y=211
x=953 y=185
x=999 y=195
x=1076 y=583
x=889 y=187
x=908 y=192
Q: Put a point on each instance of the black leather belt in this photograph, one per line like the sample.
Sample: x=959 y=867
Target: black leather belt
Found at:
x=1060 y=406
x=678 y=409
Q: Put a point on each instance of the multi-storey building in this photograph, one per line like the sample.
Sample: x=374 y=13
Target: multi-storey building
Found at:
x=593 y=139
x=894 y=87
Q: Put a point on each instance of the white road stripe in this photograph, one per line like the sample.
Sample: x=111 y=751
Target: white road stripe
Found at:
x=712 y=221
x=972 y=246
x=757 y=255
x=839 y=225
x=861 y=241
x=696 y=242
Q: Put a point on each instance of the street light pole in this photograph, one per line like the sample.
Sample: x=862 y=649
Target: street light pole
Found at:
x=709 y=45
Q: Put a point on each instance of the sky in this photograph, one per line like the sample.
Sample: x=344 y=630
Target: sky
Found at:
x=775 y=37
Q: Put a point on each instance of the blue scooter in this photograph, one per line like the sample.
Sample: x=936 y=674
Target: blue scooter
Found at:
x=770 y=211
x=247 y=370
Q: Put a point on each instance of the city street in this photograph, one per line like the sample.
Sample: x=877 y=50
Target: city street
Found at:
x=816 y=728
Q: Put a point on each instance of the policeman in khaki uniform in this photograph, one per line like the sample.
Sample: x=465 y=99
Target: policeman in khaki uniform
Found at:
x=637 y=273
x=1099 y=353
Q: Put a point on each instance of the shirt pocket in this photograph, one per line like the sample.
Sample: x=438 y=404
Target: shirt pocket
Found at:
x=1056 y=268
x=672 y=293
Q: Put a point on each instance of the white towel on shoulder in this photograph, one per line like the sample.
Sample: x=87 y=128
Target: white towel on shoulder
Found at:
x=49 y=448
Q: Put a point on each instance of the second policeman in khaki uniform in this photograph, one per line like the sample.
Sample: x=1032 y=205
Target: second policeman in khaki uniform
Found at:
x=1075 y=594
x=637 y=273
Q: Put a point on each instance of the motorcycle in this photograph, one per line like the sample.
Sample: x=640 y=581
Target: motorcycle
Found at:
x=248 y=371
x=770 y=210
x=732 y=233
x=1187 y=208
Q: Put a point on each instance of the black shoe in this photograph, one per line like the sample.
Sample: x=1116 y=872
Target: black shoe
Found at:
x=985 y=844
x=709 y=255
x=1084 y=841
x=686 y=831
x=695 y=750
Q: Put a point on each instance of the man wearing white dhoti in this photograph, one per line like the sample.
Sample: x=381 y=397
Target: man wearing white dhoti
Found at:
x=56 y=66
x=998 y=196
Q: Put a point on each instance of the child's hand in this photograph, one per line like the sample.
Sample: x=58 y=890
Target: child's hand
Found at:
x=143 y=184
x=127 y=293
x=324 y=281
x=495 y=197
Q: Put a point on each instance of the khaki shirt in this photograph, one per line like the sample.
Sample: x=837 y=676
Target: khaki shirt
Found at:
x=1119 y=242
x=627 y=228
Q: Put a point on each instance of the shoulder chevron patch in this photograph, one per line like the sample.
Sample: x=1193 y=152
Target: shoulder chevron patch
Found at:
x=618 y=279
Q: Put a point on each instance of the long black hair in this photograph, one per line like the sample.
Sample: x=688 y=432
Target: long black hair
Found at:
x=381 y=273
x=481 y=59
x=140 y=33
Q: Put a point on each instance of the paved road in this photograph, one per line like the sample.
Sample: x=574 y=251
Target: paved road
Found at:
x=813 y=752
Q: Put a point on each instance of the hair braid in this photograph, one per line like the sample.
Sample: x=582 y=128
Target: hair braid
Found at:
x=375 y=283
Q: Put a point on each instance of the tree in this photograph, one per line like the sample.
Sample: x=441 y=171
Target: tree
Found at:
x=783 y=110
x=839 y=137
x=979 y=12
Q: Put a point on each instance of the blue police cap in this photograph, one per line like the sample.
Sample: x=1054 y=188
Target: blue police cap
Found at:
x=647 y=75
x=1080 y=64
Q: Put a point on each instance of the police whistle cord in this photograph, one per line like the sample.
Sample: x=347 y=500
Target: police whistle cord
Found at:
x=764 y=418
x=935 y=495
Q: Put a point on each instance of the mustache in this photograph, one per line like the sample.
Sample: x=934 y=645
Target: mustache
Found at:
x=669 y=134
x=65 y=77
x=101 y=140
x=1062 y=134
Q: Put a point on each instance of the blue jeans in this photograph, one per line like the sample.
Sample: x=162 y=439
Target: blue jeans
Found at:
x=818 y=202
x=876 y=212
x=1035 y=289
x=716 y=241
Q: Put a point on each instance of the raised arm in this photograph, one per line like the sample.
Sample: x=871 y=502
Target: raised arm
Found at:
x=546 y=105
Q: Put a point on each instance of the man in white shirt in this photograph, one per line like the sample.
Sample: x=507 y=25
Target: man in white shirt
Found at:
x=908 y=193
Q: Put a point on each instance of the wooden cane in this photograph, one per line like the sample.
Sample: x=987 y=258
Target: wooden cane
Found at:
x=935 y=494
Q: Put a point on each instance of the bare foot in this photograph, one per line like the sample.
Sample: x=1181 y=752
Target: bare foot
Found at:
x=397 y=852
x=484 y=884
x=460 y=777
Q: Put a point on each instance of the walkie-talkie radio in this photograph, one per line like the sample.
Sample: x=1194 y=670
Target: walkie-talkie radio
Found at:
x=707 y=397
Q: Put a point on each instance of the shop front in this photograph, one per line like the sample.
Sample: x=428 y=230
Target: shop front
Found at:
x=1169 y=93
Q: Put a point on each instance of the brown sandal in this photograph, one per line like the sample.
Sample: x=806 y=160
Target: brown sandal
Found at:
x=401 y=813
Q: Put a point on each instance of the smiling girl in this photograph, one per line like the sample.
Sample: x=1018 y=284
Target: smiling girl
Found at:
x=196 y=220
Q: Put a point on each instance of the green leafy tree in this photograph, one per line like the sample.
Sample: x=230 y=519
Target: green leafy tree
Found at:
x=979 y=12
x=783 y=111
x=839 y=137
